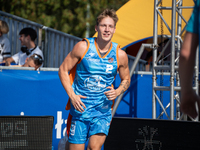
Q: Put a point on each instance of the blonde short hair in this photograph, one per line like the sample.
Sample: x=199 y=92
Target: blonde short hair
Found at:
x=4 y=27
x=107 y=13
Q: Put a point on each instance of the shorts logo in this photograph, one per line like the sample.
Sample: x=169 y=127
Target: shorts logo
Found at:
x=72 y=129
x=105 y=107
x=110 y=60
x=95 y=83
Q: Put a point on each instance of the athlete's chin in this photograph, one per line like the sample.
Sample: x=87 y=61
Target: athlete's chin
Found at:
x=107 y=38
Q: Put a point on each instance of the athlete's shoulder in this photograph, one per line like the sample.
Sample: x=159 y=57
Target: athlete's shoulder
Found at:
x=122 y=55
x=91 y=39
x=79 y=48
x=81 y=45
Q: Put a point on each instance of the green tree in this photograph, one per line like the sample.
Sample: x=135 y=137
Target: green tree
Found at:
x=69 y=16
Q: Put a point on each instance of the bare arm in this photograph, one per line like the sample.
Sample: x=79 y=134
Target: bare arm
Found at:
x=70 y=61
x=4 y=59
x=123 y=72
x=8 y=61
x=124 y=75
x=186 y=70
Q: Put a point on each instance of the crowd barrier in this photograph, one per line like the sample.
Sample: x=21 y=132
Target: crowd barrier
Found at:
x=54 y=44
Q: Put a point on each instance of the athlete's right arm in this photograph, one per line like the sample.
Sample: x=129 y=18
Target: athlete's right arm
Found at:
x=70 y=61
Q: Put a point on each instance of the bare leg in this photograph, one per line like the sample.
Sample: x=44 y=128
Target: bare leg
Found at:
x=67 y=145
x=96 y=141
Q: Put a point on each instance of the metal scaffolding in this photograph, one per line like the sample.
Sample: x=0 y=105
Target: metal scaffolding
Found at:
x=175 y=40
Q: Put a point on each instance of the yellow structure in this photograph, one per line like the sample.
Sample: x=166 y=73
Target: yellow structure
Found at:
x=136 y=20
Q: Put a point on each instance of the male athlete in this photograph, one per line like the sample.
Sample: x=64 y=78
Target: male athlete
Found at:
x=93 y=64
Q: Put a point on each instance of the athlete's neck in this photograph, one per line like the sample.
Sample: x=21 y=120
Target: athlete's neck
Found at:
x=103 y=47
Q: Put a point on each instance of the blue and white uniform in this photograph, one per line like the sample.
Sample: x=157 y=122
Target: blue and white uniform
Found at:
x=194 y=21
x=92 y=74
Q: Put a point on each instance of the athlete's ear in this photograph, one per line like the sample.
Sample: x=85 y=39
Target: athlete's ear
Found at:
x=114 y=29
x=96 y=28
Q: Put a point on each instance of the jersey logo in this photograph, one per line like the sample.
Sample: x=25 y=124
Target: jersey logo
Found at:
x=95 y=83
x=91 y=54
x=110 y=60
x=92 y=59
x=107 y=124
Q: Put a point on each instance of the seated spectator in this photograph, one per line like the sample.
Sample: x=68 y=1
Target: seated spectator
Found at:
x=4 y=41
x=34 y=61
x=27 y=38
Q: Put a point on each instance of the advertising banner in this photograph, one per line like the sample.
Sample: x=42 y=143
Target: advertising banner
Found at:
x=33 y=93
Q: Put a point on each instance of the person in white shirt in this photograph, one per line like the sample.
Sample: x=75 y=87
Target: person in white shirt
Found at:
x=27 y=38
x=4 y=41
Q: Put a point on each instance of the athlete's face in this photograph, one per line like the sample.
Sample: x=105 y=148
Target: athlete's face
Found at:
x=106 y=28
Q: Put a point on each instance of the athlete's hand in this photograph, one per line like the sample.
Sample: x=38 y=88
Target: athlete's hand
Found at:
x=77 y=103
x=188 y=103
x=111 y=94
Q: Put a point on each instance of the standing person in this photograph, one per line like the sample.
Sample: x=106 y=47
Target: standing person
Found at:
x=4 y=41
x=27 y=38
x=93 y=64
x=187 y=62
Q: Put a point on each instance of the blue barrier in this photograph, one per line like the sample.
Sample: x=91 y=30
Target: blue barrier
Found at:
x=3 y=64
x=33 y=93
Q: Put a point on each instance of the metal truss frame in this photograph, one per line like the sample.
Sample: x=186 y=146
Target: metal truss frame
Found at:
x=175 y=40
x=157 y=68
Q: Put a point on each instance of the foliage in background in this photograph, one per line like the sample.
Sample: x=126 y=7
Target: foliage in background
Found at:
x=69 y=16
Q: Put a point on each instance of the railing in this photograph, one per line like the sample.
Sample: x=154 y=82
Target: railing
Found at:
x=15 y=25
x=141 y=66
x=54 y=44
x=57 y=46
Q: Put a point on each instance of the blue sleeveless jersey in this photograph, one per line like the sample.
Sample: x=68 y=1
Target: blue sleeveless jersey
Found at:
x=93 y=74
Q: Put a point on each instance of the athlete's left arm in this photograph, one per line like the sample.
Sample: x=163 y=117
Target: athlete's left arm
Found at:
x=124 y=75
